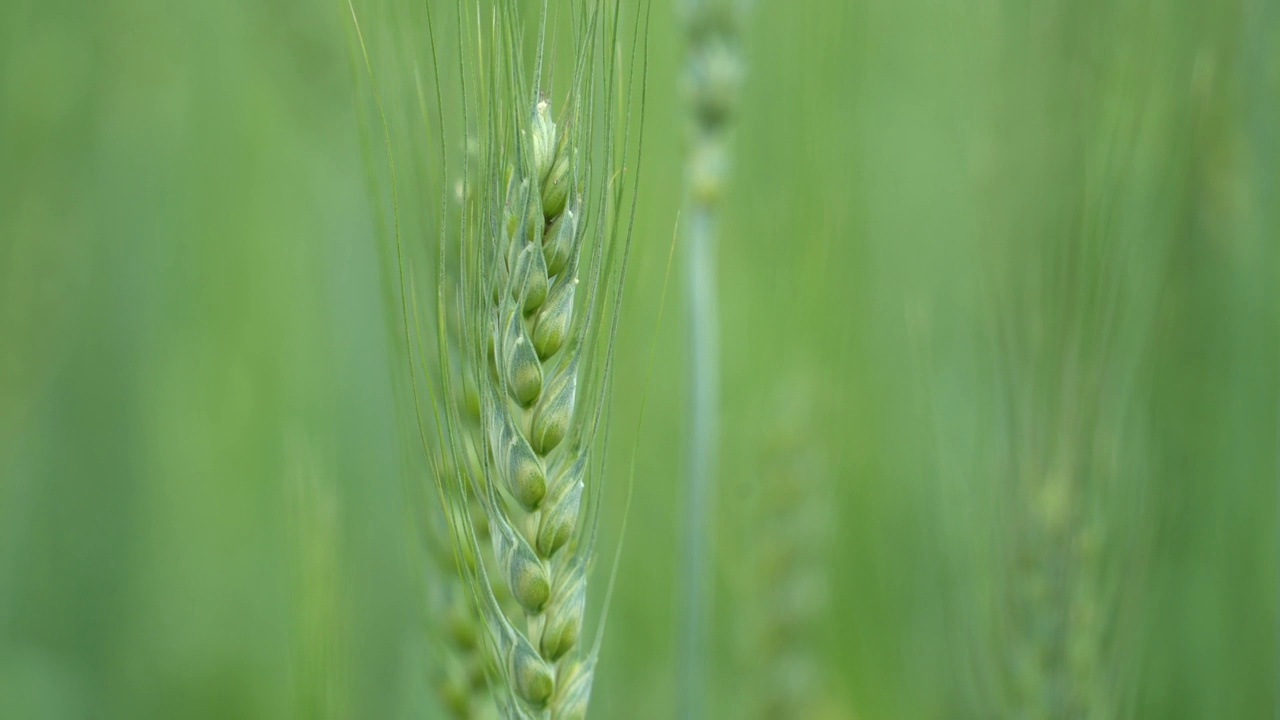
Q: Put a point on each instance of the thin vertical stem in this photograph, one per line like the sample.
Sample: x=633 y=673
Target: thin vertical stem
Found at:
x=704 y=438
x=713 y=76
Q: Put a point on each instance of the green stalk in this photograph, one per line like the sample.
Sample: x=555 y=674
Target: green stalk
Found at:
x=713 y=78
x=703 y=438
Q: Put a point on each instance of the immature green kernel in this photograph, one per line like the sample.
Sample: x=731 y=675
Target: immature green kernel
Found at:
x=543 y=139
x=563 y=624
x=555 y=190
x=554 y=319
x=530 y=675
x=552 y=417
x=529 y=281
x=527 y=578
x=522 y=219
x=560 y=241
x=525 y=477
x=524 y=371
x=517 y=466
x=560 y=511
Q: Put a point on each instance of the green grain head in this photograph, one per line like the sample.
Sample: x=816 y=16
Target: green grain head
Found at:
x=542 y=257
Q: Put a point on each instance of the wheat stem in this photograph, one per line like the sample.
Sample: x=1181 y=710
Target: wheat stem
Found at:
x=703 y=440
x=713 y=78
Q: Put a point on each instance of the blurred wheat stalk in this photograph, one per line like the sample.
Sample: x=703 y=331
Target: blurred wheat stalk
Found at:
x=1073 y=292
x=713 y=76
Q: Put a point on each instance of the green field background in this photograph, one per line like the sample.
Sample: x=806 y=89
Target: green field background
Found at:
x=965 y=239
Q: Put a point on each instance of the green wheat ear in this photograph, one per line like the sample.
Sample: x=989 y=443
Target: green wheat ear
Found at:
x=510 y=391
x=529 y=403
x=541 y=256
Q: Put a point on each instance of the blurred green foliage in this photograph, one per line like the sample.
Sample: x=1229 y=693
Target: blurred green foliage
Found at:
x=953 y=219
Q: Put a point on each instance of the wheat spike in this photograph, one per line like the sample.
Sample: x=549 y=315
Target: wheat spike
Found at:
x=528 y=401
x=542 y=263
